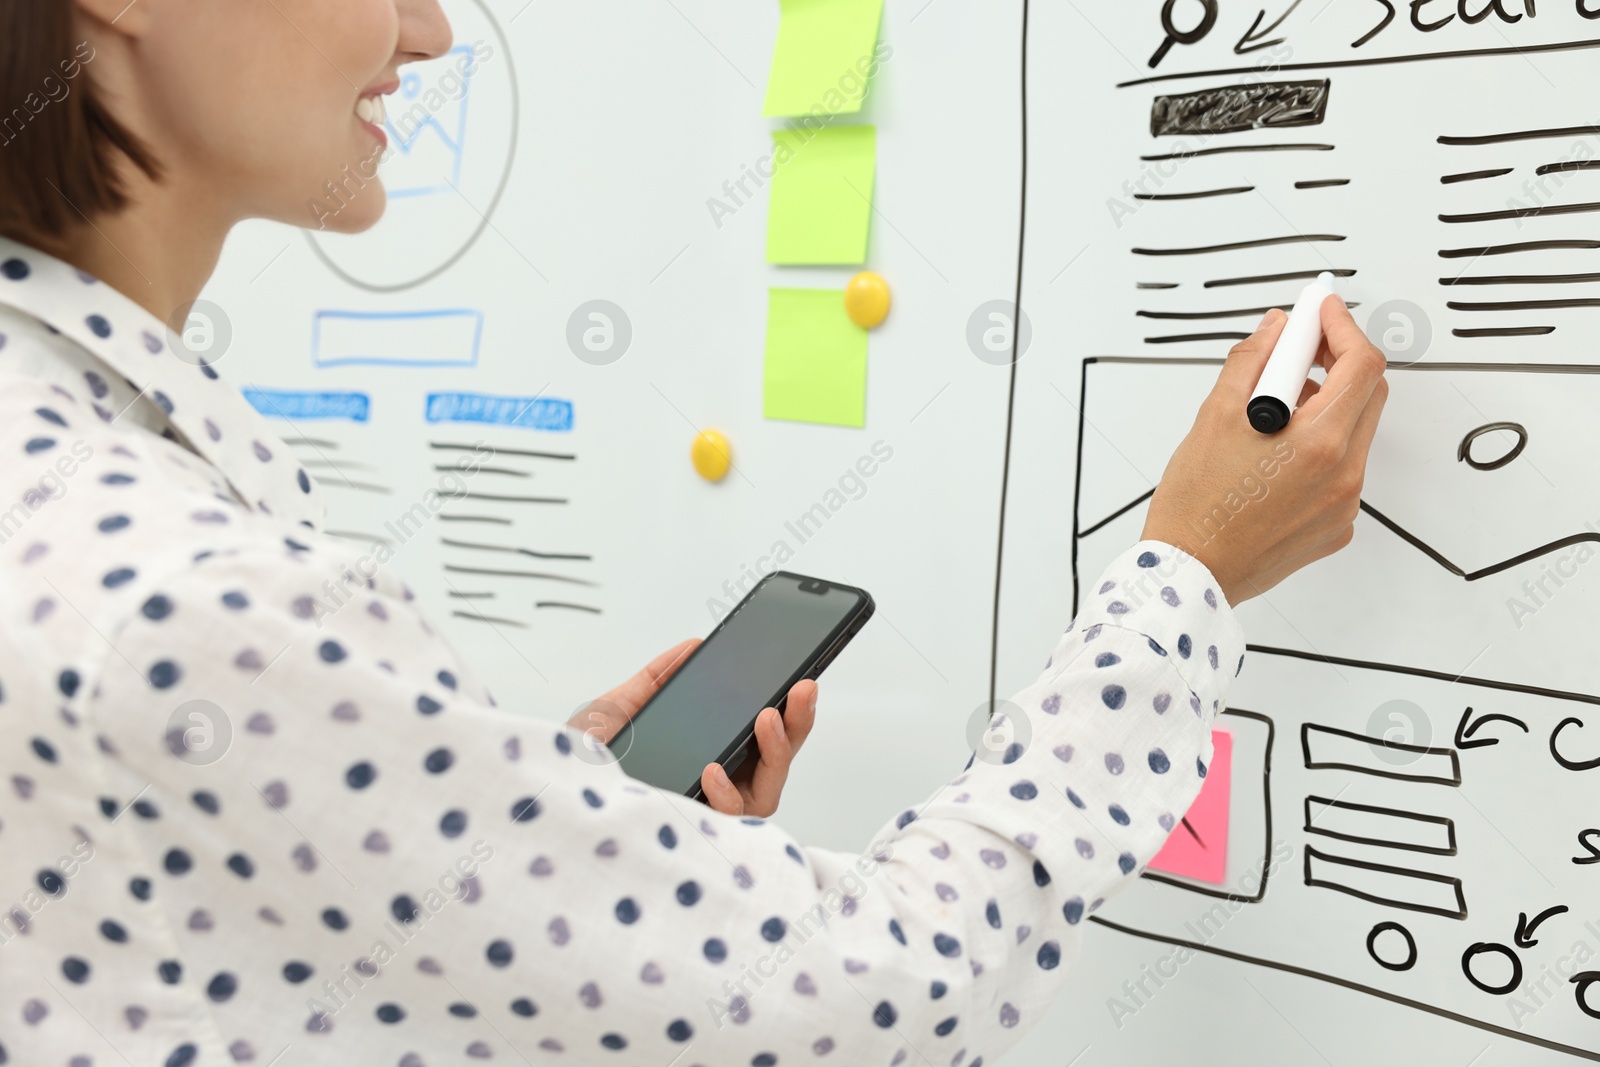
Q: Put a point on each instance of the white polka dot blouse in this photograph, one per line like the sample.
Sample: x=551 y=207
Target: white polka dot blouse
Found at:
x=238 y=830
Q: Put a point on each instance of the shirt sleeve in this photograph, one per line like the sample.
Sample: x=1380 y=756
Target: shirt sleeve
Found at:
x=379 y=852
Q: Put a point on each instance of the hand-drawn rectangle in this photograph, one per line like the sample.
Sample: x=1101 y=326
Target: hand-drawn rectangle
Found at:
x=1367 y=824
x=444 y=338
x=273 y=403
x=1235 y=108
x=527 y=413
x=1326 y=748
x=1399 y=887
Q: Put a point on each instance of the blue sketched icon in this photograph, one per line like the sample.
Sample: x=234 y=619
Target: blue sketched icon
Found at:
x=427 y=125
x=452 y=130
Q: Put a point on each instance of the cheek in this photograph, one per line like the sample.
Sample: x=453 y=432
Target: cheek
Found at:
x=258 y=99
x=358 y=36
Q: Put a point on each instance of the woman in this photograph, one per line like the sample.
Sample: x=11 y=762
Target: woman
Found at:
x=381 y=868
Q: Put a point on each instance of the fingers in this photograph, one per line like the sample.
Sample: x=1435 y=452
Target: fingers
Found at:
x=1310 y=390
x=772 y=770
x=1367 y=426
x=665 y=665
x=721 y=793
x=605 y=716
x=1355 y=369
x=800 y=713
x=1245 y=361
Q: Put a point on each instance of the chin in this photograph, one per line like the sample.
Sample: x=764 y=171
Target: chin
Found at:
x=363 y=213
x=351 y=209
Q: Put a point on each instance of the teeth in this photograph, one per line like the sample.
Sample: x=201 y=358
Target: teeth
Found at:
x=370 y=109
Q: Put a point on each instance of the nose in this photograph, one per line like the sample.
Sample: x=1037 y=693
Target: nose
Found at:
x=424 y=30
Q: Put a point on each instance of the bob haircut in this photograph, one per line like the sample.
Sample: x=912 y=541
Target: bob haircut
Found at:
x=59 y=146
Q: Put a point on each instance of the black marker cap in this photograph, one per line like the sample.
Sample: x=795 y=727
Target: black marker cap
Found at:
x=1268 y=414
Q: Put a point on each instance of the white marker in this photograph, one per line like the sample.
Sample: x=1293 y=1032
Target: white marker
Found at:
x=1290 y=363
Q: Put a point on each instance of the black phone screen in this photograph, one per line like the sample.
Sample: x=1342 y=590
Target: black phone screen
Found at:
x=705 y=712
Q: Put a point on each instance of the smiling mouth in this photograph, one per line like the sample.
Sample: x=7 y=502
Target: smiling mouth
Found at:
x=370 y=109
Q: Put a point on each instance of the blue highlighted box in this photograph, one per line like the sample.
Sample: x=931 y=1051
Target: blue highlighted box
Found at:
x=527 y=413
x=444 y=338
x=354 y=407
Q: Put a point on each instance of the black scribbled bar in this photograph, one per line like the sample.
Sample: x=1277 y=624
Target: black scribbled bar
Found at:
x=1234 y=108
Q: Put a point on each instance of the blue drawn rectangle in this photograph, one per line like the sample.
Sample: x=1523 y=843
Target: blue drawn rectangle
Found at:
x=447 y=337
x=527 y=413
x=355 y=407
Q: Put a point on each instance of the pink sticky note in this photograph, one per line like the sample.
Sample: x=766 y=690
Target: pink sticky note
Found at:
x=1205 y=859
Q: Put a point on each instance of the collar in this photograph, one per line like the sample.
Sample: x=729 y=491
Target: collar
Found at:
x=215 y=420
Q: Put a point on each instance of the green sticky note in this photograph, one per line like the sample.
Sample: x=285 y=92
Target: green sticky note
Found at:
x=826 y=52
x=821 y=195
x=816 y=368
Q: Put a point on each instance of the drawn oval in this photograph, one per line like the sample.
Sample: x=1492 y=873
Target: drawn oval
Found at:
x=1480 y=949
x=1208 y=19
x=1411 y=946
x=1464 y=453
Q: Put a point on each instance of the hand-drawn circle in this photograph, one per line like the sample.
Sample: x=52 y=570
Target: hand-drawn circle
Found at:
x=1571 y=765
x=599 y=332
x=1464 y=453
x=1176 y=36
x=199 y=346
x=504 y=52
x=1207 y=21
x=997 y=732
x=1479 y=949
x=1400 y=722
x=1400 y=330
x=1411 y=946
x=591 y=747
x=199 y=733
x=998 y=333
x=1583 y=980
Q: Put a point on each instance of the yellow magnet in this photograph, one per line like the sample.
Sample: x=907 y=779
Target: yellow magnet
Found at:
x=866 y=300
x=712 y=455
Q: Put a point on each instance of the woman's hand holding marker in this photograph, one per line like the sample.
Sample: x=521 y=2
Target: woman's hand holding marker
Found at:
x=1255 y=509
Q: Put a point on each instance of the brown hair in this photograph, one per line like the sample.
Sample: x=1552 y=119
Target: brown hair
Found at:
x=58 y=143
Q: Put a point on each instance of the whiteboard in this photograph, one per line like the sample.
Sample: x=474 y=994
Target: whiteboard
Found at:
x=1409 y=730
x=628 y=118
x=576 y=168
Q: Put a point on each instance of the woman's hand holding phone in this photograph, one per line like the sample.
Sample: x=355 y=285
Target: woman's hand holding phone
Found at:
x=757 y=786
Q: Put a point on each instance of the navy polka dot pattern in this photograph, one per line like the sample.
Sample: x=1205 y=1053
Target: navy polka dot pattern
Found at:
x=380 y=867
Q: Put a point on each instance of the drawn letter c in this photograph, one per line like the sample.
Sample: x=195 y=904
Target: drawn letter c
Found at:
x=1571 y=765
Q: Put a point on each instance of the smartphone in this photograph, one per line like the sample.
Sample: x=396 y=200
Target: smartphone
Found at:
x=788 y=628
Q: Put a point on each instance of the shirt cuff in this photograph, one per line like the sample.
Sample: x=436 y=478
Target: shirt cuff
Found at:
x=1171 y=599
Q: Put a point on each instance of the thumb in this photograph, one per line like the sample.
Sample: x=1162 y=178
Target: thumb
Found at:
x=1248 y=358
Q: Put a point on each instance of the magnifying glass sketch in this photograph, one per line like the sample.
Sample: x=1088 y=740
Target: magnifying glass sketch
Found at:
x=1177 y=36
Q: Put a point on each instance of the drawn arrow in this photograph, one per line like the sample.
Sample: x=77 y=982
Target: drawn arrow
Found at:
x=1525 y=928
x=1468 y=726
x=1252 y=42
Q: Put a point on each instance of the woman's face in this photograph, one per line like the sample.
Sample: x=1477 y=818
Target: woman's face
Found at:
x=272 y=108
